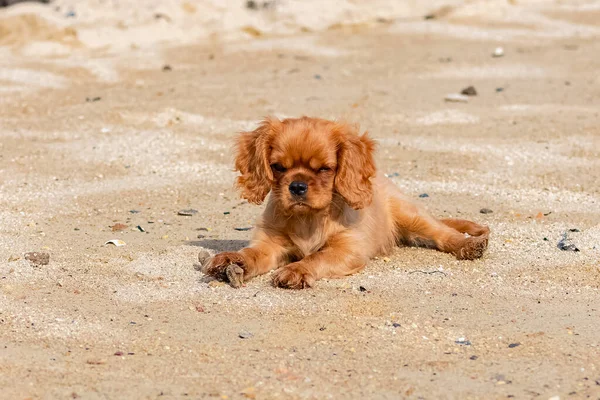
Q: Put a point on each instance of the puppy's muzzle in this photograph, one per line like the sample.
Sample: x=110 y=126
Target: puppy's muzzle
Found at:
x=298 y=188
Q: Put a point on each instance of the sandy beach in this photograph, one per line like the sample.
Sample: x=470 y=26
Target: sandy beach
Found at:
x=115 y=117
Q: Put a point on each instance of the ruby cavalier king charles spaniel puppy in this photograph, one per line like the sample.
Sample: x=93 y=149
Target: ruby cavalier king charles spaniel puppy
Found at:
x=329 y=210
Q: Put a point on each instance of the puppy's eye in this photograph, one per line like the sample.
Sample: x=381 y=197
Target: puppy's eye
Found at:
x=324 y=169
x=278 y=167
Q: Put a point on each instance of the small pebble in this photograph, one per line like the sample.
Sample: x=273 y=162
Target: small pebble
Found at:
x=243 y=229
x=499 y=89
x=93 y=99
x=362 y=288
x=226 y=213
x=473 y=358
x=188 y=212
x=134 y=211
x=565 y=244
x=245 y=335
x=396 y=325
x=456 y=98
x=37 y=258
x=513 y=345
x=463 y=341
x=486 y=211
x=469 y=91
x=498 y=52
x=116 y=242
x=317 y=76
x=423 y=195
x=141 y=229
x=167 y=68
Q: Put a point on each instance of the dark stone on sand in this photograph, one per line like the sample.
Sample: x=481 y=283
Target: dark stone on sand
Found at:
x=485 y=211
x=6 y=3
x=469 y=91
x=565 y=245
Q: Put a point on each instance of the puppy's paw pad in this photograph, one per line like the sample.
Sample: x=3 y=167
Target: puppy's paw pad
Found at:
x=293 y=278
x=474 y=248
x=235 y=275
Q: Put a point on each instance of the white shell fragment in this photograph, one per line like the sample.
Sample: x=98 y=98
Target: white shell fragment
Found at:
x=498 y=52
x=116 y=242
x=457 y=98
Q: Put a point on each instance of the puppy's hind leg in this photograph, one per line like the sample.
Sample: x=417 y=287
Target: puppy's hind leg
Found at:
x=416 y=226
x=465 y=226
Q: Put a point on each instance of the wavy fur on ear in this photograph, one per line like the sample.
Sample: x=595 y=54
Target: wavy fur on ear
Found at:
x=356 y=167
x=252 y=161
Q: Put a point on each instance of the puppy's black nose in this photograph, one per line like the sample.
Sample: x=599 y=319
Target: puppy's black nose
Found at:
x=298 y=188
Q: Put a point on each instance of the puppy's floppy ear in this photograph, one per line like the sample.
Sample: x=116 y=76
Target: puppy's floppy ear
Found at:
x=252 y=160
x=355 y=167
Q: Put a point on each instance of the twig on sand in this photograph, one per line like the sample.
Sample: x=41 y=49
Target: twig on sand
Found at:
x=428 y=272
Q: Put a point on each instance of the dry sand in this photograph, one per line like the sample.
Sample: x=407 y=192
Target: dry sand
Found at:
x=137 y=321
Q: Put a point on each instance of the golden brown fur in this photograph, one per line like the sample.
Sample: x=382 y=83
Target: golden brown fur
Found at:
x=347 y=214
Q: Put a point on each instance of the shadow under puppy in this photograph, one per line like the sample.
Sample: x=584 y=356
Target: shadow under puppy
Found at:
x=329 y=211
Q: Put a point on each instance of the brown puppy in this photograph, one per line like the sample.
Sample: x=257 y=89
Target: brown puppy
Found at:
x=329 y=212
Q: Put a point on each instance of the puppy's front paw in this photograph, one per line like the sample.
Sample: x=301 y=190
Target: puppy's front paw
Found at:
x=293 y=276
x=229 y=267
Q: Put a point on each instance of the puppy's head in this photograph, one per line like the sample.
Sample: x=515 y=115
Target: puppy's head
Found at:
x=305 y=162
